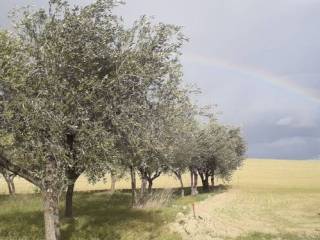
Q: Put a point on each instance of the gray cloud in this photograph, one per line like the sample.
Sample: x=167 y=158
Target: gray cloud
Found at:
x=258 y=60
x=286 y=121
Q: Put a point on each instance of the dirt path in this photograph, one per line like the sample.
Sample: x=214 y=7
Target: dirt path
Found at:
x=208 y=224
x=234 y=213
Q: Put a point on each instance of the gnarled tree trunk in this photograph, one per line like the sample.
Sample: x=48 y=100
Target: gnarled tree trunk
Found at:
x=205 y=181
x=179 y=177
x=191 y=181
x=133 y=186
x=69 y=201
x=181 y=185
x=9 y=178
x=10 y=182
x=212 y=180
x=194 y=182
x=50 y=196
x=72 y=175
x=113 y=182
x=144 y=182
x=151 y=178
x=150 y=182
x=51 y=214
x=11 y=187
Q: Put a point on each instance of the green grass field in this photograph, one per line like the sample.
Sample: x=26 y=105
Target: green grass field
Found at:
x=268 y=199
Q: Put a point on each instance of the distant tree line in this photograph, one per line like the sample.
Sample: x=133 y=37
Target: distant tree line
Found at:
x=83 y=93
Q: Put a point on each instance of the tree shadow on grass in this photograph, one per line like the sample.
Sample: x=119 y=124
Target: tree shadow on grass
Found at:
x=21 y=217
x=109 y=216
x=102 y=215
x=98 y=215
x=216 y=189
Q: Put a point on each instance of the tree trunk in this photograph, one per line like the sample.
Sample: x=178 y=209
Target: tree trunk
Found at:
x=69 y=201
x=150 y=182
x=151 y=178
x=181 y=185
x=9 y=178
x=212 y=182
x=113 y=182
x=51 y=214
x=133 y=186
x=144 y=182
x=202 y=178
x=191 y=182
x=205 y=181
x=13 y=188
x=9 y=186
x=51 y=187
x=212 y=179
x=205 y=184
x=72 y=175
x=194 y=182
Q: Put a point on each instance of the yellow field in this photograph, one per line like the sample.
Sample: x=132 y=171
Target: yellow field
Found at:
x=279 y=175
x=255 y=174
x=280 y=198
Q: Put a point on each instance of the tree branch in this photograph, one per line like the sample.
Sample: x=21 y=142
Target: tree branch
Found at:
x=22 y=172
x=156 y=175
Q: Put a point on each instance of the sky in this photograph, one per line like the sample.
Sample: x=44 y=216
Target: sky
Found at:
x=258 y=61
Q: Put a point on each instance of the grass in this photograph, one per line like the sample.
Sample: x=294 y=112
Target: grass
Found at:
x=99 y=215
x=284 y=197
x=268 y=200
x=268 y=236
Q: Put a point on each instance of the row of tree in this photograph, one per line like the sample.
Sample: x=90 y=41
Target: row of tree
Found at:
x=83 y=93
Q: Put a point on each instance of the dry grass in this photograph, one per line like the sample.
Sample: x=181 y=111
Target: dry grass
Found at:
x=278 y=175
x=157 y=200
x=269 y=200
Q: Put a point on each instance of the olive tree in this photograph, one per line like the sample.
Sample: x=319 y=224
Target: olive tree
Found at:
x=157 y=47
x=73 y=82
x=54 y=99
x=233 y=155
x=165 y=121
x=221 y=151
x=182 y=147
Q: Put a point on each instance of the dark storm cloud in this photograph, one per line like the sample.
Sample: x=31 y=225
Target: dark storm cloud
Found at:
x=249 y=47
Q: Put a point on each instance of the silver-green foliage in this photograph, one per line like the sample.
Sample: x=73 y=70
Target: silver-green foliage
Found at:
x=77 y=88
x=221 y=150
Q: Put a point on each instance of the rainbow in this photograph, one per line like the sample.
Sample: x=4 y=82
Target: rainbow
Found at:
x=259 y=74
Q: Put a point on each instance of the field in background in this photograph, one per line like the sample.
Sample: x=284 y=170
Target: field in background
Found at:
x=278 y=175
x=269 y=200
x=260 y=174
